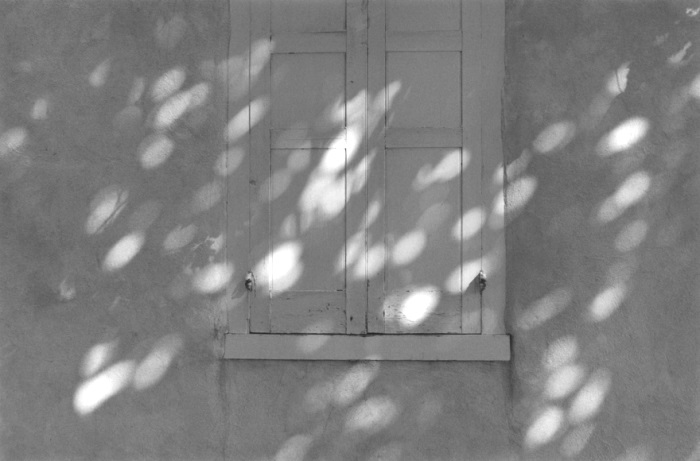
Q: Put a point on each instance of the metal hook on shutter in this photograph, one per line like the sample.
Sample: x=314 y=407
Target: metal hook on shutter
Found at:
x=250 y=282
x=482 y=281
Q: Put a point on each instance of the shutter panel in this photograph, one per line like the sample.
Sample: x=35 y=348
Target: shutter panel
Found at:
x=307 y=62
x=424 y=255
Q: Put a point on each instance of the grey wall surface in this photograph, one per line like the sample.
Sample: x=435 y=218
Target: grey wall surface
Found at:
x=111 y=248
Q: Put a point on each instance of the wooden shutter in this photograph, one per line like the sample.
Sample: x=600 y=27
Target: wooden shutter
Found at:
x=308 y=73
x=424 y=252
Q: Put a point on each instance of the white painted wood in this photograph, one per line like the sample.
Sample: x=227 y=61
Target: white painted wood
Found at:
x=493 y=237
x=430 y=98
x=331 y=42
x=472 y=79
x=237 y=211
x=423 y=137
x=306 y=16
x=308 y=139
x=423 y=15
x=308 y=312
x=356 y=200
x=374 y=347
x=450 y=40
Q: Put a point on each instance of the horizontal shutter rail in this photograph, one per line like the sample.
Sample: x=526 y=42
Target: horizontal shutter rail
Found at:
x=331 y=42
x=423 y=137
x=450 y=40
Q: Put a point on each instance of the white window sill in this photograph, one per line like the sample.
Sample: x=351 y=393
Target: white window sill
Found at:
x=370 y=347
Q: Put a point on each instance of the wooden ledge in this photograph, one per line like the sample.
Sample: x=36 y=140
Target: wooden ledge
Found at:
x=370 y=347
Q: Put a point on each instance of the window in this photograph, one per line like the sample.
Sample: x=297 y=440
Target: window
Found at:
x=362 y=200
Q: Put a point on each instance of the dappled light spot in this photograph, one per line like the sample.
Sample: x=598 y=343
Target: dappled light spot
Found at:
x=154 y=366
x=624 y=136
x=199 y=95
x=294 y=448
x=351 y=252
x=171 y=110
x=544 y=428
x=460 y=278
x=289 y=227
x=12 y=140
x=98 y=76
x=97 y=357
x=679 y=56
x=554 y=137
x=607 y=302
x=94 y=392
x=285 y=266
x=169 y=34
x=560 y=352
x=639 y=453
x=590 y=397
x=514 y=169
x=229 y=161
x=212 y=278
x=353 y=383
x=408 y=248
x=631 y=236
x=145 y=215
x=179 y=237
x=308 y=344
x=40 y=109
x=207 y=196
x=447 y=169
x=418 y=305
x=66 y=289
x=519 y=193
x=617 y=81
x=276 y=185
x=372 y=415
x=576 y=440
x=123 y=251
x=168 y=83
x=694 y=88
x=105 y=207
x=563 y=381
x=260 y=52
x=333 y=161
x=246 y=119
x=544 y=309
x=137 y=89
x=318 y=397
x=322 y=200
x=155 y=150
x=631 y=191
x=375 y=260
x=357 y=176
x=469 y=224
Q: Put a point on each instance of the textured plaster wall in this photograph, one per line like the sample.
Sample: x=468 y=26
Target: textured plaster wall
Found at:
x=602 y=118
x=111 y=115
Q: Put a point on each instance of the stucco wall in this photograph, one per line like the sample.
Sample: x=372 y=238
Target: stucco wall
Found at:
x=109 y=358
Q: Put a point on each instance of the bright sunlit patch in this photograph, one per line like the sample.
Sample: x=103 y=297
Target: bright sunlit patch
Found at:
x=276 y=185
x=168 y=83
x=617 y=82
x=212 y=278
x=323 y=199
x=145 y=215
x=372 y=415
x=172 y=109
x=136 y=91
x=631 y=191
x=376 y=258
x=408 y=248
x=156 y=364
x=519 y=194
x=564 y=381
x=294 y=448
x=607 y=302
x=460 y=278
x=418 y=305
x=350 y=253
x=98 y=76
x=544 y=428
x=260 y=52
x=514 y=169
x=97 y=357
x=544 y=309
x=123 y=251
x=12 y=140
x=40 y=109
x=333 y=161
x=624 y=136
x=207 y=196
x=590 y=397
x=229 y=161
x=179 y=237
x=310 y=343
x=104 y=208
x=631 y=236
x=94 y=392
x=554 y=137
x=679 y=56
x=447 y=169
x=576 y=440
x=469 y=225
x=286 y=265
x=246 y=118
x=155 y=150
x=199 y=94
x=560 y=352
x=353 y=383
